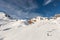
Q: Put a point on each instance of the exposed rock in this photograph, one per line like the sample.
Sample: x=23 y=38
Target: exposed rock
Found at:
x=57 y=15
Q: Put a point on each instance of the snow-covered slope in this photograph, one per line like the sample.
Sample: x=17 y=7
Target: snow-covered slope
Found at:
x=38 y=28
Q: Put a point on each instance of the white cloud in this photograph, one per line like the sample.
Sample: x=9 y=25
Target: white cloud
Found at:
x=14 y=12
x=47 y=2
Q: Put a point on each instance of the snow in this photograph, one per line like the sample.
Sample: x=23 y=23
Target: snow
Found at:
x=41 y=29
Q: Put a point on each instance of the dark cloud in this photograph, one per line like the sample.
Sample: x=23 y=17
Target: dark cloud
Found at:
x=23 y=4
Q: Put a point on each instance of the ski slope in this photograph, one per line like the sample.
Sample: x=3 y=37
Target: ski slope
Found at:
x=40 y=29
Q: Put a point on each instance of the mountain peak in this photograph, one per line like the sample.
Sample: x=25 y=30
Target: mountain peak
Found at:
x=2 y=15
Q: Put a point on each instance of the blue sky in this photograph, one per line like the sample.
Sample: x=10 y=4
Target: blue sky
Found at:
x=30 y=8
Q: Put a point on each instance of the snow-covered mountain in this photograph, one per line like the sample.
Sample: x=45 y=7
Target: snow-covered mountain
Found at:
x=39 y=28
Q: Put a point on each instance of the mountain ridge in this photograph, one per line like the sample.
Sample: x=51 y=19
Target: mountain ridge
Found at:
x=39 y=28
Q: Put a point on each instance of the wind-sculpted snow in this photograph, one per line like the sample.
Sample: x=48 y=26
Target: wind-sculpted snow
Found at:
x=39 y=28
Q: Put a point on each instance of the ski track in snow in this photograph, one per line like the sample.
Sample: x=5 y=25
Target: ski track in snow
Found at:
x=39 y=30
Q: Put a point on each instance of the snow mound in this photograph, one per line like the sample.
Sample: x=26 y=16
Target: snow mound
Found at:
x=39 y=28
x=4 y=16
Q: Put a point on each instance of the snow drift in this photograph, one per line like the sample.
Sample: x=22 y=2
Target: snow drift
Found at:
x=39 y=28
